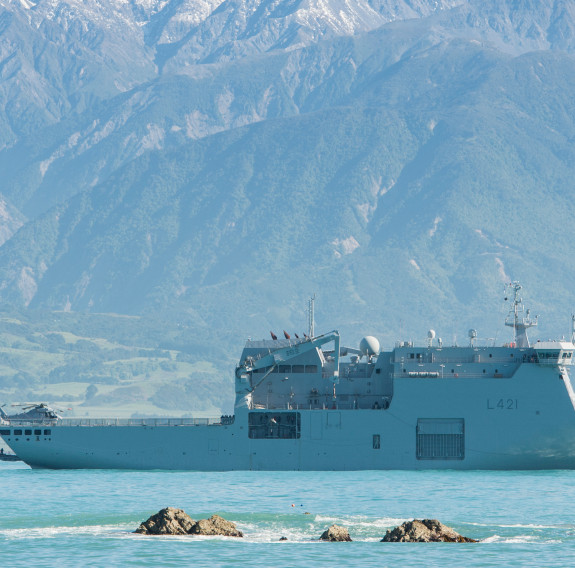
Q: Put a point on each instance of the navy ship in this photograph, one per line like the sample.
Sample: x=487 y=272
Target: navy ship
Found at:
x=309 y=403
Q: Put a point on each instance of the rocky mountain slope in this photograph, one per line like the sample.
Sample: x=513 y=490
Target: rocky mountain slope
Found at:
x=223 y=160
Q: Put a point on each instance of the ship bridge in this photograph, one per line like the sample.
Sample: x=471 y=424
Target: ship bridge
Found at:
x=554 y=352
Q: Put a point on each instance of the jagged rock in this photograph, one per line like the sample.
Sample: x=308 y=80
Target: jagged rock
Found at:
x=426 y=530
x=283 y=538
x=216 y=525
x=335 y=533
x=177 y=522
x=167 y=521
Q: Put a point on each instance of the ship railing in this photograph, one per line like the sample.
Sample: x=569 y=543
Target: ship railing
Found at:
x=32 y=423
x=360 y=402
x=462 y=360
x=458 y=374
x=151 y=422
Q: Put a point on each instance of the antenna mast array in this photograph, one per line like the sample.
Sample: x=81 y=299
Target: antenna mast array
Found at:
x=517 y=319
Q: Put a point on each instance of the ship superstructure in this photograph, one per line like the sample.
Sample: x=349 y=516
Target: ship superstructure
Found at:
x=311 y=403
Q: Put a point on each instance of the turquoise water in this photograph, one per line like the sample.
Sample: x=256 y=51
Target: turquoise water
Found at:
x=86 y=518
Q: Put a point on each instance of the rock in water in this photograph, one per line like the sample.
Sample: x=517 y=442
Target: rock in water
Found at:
x=216 y=525
x=167 y=521
x=426 y=530
x=335 y=533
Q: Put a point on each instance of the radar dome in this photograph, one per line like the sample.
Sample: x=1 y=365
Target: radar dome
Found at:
x=369 y=346
x=472 y=333
x=431 y=334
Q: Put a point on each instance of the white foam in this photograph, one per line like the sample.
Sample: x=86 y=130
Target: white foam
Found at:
x=361 y=528
x=54 y=532
x=517 y=539
x=517 y=526
x=383 y=522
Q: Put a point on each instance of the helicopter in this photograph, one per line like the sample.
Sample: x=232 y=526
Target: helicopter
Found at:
x=32 y=412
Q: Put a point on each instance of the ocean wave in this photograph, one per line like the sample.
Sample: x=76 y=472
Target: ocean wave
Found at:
x=252 y=534
x=519 y=526
x=530 y=526
x=383 y=522
x=54 y=532
x=296 y=528
x=519 y=539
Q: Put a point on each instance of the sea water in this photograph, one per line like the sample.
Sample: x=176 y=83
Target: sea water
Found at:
x=87 y=518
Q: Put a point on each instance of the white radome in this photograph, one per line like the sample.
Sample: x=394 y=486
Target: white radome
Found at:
x=369 y=346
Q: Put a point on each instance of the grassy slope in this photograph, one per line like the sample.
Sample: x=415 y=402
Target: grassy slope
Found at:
x=42 y=359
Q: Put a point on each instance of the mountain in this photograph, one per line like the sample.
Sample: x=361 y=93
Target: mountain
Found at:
x=94 y=67
x=218 y=162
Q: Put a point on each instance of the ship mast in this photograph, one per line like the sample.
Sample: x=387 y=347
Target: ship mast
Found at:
x=518 y=319
x=311 y=317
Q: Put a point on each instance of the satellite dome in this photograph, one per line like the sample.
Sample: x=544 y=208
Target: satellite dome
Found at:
x=369 y=346
x=431 y=334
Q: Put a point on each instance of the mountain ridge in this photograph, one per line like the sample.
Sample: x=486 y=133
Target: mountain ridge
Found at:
x=403 y=169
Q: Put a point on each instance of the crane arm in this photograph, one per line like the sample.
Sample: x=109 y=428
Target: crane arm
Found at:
x=282 y=354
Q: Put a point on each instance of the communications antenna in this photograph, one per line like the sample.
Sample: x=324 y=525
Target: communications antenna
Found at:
x=519 y=319
x=311 y=316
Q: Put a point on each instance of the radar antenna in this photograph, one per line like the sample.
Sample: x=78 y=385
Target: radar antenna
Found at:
x=518 y=318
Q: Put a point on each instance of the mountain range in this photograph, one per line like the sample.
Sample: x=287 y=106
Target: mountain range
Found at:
x=215 y=163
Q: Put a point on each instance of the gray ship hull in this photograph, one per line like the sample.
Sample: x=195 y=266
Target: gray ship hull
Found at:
x=525 y=421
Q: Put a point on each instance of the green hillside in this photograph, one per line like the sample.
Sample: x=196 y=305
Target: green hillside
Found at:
x=111 y=365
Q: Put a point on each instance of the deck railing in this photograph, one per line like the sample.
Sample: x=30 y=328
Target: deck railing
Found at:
x=151 y=422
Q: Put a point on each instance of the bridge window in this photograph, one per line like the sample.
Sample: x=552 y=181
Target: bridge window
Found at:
x=311 y=368
x=297 y=368
x=548 y=355
x=27 y=432
x=47 y=432
x=37 y=432
x=284 y=369
x=4 y=432
x=17 y=432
